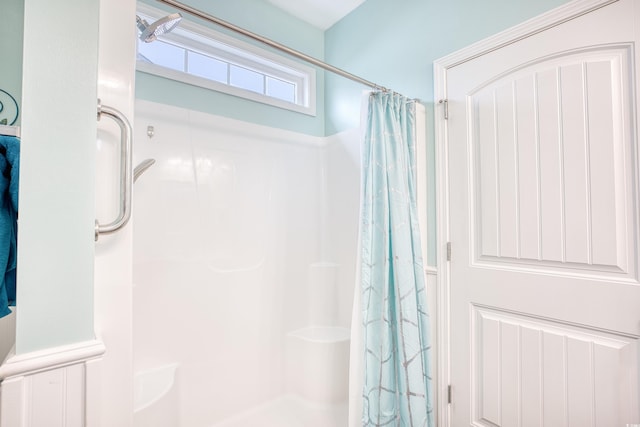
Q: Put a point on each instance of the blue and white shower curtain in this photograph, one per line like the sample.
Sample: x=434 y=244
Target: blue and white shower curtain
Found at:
x=394 y=341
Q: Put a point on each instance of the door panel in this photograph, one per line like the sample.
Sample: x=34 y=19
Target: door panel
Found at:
x=548 y=151
x=546 y=370
x=543 y=213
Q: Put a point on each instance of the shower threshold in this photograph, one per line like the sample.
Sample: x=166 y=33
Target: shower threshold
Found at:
x=291 y=411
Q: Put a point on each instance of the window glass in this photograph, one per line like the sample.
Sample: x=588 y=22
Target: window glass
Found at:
x=163 y=54
x=207 y=67
x=246 y=79
x=280 y=89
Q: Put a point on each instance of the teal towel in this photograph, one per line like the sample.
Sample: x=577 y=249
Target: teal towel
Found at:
x=9 y=173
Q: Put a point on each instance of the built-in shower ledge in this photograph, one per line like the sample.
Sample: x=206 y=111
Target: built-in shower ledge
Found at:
x=317 y=364
x=50 y=358
x=322 y=334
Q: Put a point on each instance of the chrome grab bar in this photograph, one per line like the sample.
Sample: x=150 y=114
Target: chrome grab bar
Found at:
x=126 y=174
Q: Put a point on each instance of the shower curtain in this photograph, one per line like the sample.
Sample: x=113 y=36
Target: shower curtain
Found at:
x=392 y=340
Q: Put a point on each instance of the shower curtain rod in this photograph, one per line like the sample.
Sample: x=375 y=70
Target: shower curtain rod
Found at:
x=269 y=42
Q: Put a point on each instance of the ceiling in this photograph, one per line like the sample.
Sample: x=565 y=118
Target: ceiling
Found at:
x=319 y=13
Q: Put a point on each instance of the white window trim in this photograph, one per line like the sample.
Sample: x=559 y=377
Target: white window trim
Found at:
x=205 y=40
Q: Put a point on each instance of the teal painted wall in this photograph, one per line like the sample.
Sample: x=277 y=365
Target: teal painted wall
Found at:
x=57 y=171
x=262 y=18
x=394 y=44
x=11 y=29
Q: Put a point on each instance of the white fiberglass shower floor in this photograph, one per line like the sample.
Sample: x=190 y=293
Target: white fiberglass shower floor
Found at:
x=291 y=411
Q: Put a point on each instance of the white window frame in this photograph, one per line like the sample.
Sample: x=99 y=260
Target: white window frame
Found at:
x=204 y=40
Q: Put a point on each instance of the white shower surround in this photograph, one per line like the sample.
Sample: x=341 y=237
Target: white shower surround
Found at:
x=234 y=228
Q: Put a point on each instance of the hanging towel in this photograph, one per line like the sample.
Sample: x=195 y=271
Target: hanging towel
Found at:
x=9 y=173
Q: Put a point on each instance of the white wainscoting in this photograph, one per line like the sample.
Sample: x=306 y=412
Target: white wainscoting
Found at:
x=55 y=387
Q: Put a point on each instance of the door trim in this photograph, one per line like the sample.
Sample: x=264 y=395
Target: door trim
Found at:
x=441 y=66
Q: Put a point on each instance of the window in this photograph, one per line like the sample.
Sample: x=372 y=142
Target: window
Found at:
x=203 y=57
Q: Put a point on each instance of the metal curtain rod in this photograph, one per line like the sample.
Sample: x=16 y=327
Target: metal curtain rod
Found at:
x=269 y=42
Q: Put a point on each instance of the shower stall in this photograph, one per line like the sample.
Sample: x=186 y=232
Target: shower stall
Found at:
x=244 y=252
x=244 y=242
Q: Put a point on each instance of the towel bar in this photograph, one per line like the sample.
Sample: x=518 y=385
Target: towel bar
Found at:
x=126 y=174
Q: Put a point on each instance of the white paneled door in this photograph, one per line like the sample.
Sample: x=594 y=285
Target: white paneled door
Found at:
x=543 y=215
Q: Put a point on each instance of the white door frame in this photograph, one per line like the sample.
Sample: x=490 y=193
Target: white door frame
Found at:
x=441 y=66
